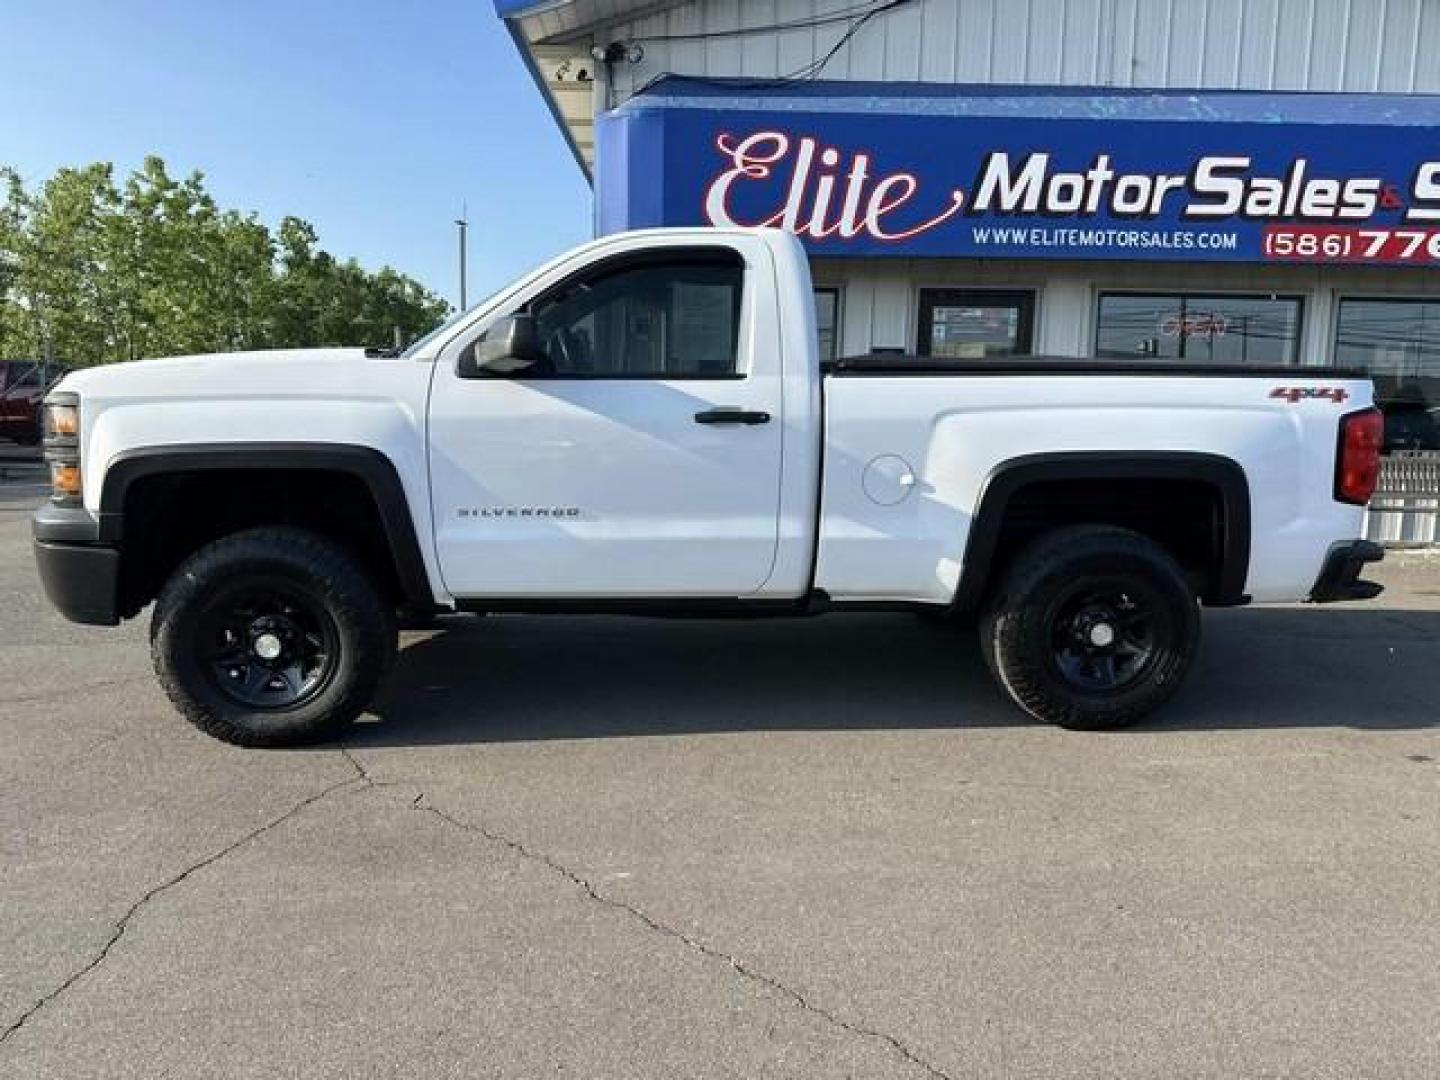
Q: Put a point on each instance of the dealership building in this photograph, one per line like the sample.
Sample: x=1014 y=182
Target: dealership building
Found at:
x=1242 y=181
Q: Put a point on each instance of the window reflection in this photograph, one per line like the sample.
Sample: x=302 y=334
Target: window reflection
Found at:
x=1199 y=328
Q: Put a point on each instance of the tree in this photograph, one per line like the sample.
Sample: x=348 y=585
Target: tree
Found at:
x=322 y=301
x=157 y=268
x=60 y=288
x=14 y=319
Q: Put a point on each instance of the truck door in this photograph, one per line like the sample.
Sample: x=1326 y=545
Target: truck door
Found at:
x=641 y=458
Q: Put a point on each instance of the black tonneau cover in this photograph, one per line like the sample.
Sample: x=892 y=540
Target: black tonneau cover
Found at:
x=896 y=364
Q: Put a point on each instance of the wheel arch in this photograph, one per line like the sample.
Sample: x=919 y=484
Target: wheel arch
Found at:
x=1007 y=482
x=371 y=468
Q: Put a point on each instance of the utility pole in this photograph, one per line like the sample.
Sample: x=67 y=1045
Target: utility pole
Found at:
x=463 y=223
x=47 y=357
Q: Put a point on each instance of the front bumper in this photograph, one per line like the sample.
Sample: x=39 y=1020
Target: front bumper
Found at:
x=81 y=575
x=1340 y=577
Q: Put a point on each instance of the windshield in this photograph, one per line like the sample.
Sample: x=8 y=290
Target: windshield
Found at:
x=416 y=346
x=444 y=328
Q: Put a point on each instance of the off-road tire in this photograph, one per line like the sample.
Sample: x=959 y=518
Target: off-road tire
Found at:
x=1025 y=617
x=360 y=625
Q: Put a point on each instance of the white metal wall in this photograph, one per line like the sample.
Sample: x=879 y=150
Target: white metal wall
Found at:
x=1354 y=45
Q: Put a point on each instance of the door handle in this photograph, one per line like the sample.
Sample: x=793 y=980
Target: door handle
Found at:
x=731 y=416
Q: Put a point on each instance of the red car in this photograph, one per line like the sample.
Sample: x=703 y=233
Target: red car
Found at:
x=22 y=384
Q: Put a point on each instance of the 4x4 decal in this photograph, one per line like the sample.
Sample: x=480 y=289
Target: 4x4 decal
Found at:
x=1296 y=394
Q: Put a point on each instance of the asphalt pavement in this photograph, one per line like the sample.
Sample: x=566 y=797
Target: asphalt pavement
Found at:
x=600 y=847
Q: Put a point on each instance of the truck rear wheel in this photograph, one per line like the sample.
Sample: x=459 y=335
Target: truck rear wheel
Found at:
x=271 y=637
x=1092 y=627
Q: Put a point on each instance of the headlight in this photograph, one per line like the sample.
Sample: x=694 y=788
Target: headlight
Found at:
x=61 y=419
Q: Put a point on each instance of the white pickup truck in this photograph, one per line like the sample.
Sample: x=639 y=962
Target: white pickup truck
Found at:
x=643 y=425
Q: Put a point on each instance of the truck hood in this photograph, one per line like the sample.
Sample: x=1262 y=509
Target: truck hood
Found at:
x=287 y=396
x=272 y=372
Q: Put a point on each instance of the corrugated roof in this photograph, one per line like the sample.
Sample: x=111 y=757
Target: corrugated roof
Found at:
x=548 y=20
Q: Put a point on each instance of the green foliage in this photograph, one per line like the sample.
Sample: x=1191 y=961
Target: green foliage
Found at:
x=156 y=268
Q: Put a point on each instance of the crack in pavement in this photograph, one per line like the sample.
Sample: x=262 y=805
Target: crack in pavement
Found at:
x=361 y=772
x=736 y=964
x=364 y=779
x=123 y=923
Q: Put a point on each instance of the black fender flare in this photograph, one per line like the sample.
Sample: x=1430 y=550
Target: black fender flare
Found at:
x=1223 y=473
x=372 y=467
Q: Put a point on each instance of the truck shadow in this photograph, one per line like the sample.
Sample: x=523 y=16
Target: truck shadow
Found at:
x=514 y=678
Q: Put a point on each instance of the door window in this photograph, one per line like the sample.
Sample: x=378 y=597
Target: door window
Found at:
x=1199 y=328
x=655 y=320
x=975 y=324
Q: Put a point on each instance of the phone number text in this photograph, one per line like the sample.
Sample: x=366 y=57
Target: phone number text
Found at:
x=1326 y=244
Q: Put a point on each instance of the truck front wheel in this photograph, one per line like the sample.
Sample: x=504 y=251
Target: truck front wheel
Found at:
x=1092 y=627
x=271 y=637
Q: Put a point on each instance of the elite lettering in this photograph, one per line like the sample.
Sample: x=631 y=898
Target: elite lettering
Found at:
x=822 y=196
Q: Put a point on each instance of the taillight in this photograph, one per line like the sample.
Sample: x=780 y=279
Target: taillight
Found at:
x=1357 y=462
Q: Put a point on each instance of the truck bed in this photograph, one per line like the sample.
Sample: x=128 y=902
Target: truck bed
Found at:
x=914 y=445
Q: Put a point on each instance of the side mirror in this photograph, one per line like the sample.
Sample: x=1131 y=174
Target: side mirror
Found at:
x=510 y=347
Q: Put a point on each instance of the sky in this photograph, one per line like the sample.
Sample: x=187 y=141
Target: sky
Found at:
x=374 y=121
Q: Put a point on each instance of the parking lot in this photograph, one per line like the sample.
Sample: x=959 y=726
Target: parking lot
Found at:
x=598 y=847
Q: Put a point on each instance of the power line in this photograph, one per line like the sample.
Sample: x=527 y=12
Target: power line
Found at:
x=811 y=70
x=845 y=15
x=857 y=17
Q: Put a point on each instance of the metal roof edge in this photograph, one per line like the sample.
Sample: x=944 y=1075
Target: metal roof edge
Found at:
x=528 y=58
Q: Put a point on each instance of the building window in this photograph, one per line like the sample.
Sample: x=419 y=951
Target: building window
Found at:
x=1398 y=342
x=827 y=320
x=1199 y=328
x=975 y=324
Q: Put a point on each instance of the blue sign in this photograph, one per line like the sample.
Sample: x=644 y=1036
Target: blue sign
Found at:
x=916 y=170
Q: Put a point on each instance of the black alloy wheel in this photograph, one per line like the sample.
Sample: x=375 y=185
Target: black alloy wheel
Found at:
x=1105 y=635
x=266 y=644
